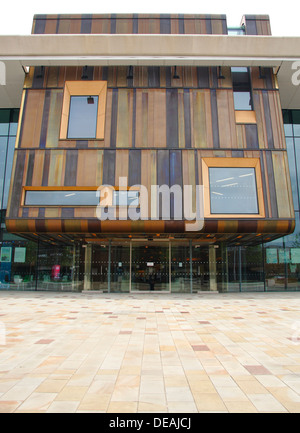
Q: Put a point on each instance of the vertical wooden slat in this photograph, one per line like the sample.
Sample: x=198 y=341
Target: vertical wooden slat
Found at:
x=124 y=116
x=280 y=177
x=56 y=174
x=71 y=167
x=199 y=119
x=175 y=176
x=226 y=118
x=134 y=168
x=159 y=118
x=55 y=107
x=172 y=117
x=32 y=120
x=122 y=164
x=267 y=119
x=109 y=164
x=16 y=190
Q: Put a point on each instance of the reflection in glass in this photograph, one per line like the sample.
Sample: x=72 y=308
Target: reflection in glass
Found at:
x=83 y=117
x=120 y=267
x=126 y=198
x=233 y=190
x=293 y=171
x=150 y=267
x=242 y=100
x=180 y=268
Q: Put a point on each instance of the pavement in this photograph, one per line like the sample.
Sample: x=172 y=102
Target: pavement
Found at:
x=160 y=353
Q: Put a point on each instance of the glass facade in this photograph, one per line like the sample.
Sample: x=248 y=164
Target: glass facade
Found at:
x=8 y=132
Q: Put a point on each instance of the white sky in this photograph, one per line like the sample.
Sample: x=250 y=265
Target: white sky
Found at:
x=16 y=15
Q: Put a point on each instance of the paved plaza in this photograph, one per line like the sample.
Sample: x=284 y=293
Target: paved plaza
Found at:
x=114 y=353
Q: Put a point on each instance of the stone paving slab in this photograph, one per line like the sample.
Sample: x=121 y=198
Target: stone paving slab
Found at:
x=167 y=353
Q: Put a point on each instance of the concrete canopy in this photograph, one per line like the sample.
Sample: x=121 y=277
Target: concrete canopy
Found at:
x=19 y=52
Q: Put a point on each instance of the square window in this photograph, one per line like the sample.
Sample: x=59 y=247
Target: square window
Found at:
x=233 y=190
x=83 y=117
x=242 y=100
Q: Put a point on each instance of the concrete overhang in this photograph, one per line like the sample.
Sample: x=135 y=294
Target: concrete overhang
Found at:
x=17 y=52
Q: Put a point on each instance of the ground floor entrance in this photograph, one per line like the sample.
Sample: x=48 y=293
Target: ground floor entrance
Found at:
x=123 y=264
x=149 y=266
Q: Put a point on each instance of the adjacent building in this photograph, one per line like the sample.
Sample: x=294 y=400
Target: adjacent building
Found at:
x=154 y=153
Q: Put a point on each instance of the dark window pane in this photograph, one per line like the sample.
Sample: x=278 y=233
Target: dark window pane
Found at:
x=242 y=100
x=233 y=190
x=4 y=121
x=61 y=198
x=83 y=117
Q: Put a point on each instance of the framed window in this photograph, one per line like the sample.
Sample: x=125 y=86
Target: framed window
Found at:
x=232 y=188
x=83 y=111
x=63 y=197
x=83 y=117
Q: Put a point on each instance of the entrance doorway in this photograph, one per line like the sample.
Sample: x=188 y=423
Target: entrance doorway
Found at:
x=150 y=267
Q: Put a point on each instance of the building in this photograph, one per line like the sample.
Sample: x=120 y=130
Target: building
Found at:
x=153 y=153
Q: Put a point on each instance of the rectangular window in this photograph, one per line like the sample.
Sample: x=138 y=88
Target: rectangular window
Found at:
x=126 y=198
x=233 y=190
x=236 y=31
x=241 y=88
x=83 y=110
x=83 y=117
x=61 y=198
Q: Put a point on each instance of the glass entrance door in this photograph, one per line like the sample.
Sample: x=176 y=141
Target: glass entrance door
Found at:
x=150 y=267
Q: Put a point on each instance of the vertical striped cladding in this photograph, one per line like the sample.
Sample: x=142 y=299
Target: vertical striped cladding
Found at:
x=257 y=24
x=130 y=24
x=93 y=167
x=157 y=128
x=155 y=110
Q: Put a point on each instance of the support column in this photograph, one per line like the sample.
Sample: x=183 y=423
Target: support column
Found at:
x=212 y=268
x=88 y=267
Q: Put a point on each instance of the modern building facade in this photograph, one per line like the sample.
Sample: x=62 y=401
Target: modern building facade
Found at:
x=160 y=160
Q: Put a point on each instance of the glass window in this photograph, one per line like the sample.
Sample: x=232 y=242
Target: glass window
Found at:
x=4 y=121
x=293 y=171
x=83 y=117
x=242 y=100
x=126 y=198
x=61 y=198
x=241 y=88
x=233 y=190
x=296 y=122
x=3 y=148
x=8 y=169
x=236 y=31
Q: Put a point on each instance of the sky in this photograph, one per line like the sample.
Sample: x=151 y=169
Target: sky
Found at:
x=16 y=16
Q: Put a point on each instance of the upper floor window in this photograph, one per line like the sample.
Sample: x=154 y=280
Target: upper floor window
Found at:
x=241 y=88
x=83 y=117
x=83 y=111
x=236 y=31
x=233 y=190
